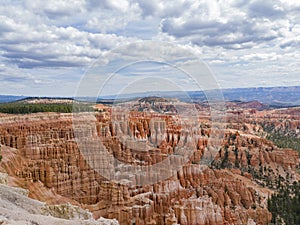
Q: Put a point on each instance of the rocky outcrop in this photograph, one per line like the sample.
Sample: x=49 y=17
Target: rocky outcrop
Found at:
x=45 y=151
x=46 y=154
x=17 y=209
x=3 y=178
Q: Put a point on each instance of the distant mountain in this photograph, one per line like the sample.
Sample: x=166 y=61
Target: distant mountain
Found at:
x=10 y=98
x=277 y=96
x=272 y=96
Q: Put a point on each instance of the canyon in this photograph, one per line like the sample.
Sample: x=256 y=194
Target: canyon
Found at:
x=145 y=167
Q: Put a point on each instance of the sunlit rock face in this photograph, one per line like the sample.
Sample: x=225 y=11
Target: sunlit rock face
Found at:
x=16 y=208
x=59 y=163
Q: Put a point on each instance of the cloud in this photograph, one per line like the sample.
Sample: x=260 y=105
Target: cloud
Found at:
x=265 y=9
x=232 y=34
x=233 y=25
x=49 y=46
x=294 y=43
x=149 y=7
x=162 y=9
x=119 y=5
x=59 y=38
x=56 y=9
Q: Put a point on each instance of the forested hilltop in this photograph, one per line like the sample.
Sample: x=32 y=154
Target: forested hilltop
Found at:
x=35 y=105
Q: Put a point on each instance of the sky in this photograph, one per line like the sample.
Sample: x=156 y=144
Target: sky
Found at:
x=48 y=47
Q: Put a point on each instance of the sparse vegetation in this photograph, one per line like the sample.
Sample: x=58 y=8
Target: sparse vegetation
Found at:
x=285 y=205
x=282 y=138
x=283 y=141
x=225 y=163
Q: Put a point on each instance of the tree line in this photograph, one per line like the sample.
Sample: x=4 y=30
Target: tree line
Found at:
x=26 y=108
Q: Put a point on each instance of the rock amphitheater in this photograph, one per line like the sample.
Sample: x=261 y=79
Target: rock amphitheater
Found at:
x=41 y=154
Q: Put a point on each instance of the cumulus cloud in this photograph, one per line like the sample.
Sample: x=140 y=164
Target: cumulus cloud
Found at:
x=38 y=37
x=217 y=24
x=265 y=9
x=48 y=46
x=163 y=9
x=120 y=5
x=55 y=9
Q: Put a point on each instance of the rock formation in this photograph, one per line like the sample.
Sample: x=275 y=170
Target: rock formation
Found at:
x=17 y=209
x=58 y=163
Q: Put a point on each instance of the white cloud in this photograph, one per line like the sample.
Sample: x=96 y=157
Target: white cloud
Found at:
x=217 y=24
x=47 y=46
x=55 y=9
x=236 y=37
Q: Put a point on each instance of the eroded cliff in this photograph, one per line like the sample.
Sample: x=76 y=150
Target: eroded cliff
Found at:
x=40 y=153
